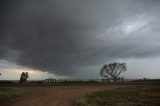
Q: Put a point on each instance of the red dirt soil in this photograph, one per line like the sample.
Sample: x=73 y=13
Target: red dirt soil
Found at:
x=54 y=95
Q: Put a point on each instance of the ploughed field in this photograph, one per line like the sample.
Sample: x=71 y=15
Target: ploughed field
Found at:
x=82 y=95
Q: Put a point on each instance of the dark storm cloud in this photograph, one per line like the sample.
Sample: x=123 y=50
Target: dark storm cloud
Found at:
x=59 y=36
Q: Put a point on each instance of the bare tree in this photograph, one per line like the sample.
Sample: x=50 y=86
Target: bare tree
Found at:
x=113 y=71
x=24 y=77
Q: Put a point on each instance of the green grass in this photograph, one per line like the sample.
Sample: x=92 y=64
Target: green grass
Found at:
x=10 y=93
x=142 y=95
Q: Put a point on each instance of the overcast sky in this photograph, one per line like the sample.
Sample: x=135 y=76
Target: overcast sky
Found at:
x=75 y=38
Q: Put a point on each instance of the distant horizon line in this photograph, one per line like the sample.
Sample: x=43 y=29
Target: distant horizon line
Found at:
x=82 y=79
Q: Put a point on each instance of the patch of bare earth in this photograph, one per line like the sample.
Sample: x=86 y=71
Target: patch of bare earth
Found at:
x=55 y=95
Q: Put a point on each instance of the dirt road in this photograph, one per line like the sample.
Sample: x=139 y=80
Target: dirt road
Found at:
x=54 y=95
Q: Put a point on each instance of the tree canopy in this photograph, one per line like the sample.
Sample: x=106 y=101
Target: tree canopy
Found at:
x=113 y=71
x=24 y=77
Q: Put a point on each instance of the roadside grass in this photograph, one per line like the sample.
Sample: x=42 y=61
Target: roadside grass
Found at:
x=135 y=95
x=10 y=93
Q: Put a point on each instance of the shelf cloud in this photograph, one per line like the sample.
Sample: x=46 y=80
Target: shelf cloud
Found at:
x=66 y=36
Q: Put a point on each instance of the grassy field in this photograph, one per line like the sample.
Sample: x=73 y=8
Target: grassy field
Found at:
x=134 y=95
x=10 y=93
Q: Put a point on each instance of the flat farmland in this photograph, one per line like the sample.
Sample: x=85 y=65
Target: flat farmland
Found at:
x=137 y=94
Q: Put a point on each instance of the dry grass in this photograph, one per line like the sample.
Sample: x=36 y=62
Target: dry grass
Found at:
x=9 y=93
x=141 y=95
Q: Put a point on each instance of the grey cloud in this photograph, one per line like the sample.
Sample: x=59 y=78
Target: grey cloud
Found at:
x=59 y=36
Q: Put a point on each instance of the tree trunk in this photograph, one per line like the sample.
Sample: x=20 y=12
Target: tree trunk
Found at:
x=115 y=79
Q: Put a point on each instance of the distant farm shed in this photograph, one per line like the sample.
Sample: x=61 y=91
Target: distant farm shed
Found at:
x=50 y=81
